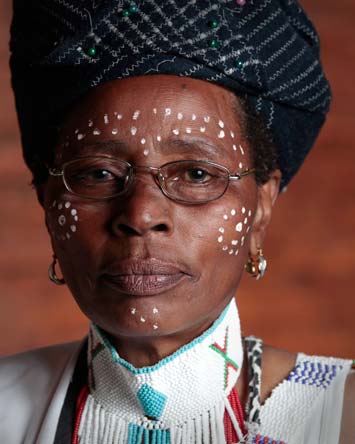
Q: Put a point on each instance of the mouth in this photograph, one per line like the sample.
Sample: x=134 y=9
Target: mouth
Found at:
x=143 y=277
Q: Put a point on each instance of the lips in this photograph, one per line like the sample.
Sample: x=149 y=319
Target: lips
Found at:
x=143 y=277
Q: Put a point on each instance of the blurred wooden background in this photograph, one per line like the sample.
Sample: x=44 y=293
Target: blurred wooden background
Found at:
x=306 y=302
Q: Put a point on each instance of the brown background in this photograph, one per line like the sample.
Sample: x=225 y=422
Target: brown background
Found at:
x=306 y=300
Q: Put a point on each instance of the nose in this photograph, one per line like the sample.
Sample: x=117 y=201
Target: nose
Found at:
x=143 y=210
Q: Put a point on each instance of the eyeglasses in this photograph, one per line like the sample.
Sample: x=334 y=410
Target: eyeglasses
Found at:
x=185 y=181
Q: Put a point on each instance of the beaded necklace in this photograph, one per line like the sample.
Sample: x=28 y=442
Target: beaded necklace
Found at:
x=187 y=397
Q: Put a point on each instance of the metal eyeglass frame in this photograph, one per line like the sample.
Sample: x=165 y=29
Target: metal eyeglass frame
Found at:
x=158 y=177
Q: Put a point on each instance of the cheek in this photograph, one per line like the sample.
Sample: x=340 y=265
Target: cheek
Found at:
x=233 y=230
x=63 y=220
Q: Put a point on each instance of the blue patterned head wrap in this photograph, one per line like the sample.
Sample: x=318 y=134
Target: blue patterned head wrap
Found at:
x=266 y=49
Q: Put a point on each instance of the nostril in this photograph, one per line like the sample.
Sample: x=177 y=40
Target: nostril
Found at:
x=127 y=229
x=160 y=227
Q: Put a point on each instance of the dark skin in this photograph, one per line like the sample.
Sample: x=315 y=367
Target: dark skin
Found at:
x=145 y=224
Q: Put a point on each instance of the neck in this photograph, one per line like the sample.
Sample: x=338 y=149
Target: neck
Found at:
x=148 y=351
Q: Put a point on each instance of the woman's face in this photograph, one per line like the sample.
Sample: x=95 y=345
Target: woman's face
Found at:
x=142 y=265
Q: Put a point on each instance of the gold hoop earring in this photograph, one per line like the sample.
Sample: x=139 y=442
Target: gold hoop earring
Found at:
x=52 y=273
x=256 y=266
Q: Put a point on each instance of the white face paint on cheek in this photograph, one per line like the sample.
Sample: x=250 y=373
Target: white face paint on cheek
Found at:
x=231 y=235
x=62 y=220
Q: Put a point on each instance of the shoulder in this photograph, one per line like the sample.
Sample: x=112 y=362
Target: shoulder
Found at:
x=46 y=359
x=348 y=417
x=277 y=364
x=27 y=382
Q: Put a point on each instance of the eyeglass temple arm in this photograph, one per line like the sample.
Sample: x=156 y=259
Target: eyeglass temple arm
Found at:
x=242 y=174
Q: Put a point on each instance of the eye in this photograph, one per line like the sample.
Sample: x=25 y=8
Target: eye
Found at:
x=197 y=174
x=98 y=175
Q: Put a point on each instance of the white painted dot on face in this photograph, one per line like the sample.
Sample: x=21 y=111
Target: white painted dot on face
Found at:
x=167 y=111
x=221 y=123
x=67 y=204
x=239 y=227
x=249 y=213
x=243 y=210
x=234 y=242
x=221 y=135
x=203 y=129
x=80 y=136
x=248 y=228
x=206 y=119
x=146 y=152
x=106 y=119
x=96 y=132
x=188 y=130
x=220 y=239
x=67 y=235
x=240 y=165
x=60 y=206
x=155 y=310
x=235 y=147
x=176 y=131
x=73 y=212
x=236 y=253
x=241 y=150
x=155 y=111
x=143 y=141
x=159 y=138
x=232 y=134
x=119 y=116
x=142 y=319
x=225 y=248
x=133 y=130
x=245 y=220
x=233 y=212
x=155 y=326
x=193 y=117
x=225 y=217
x=54 y=203
x=61 y=220
x=180 y=116
x=136 y=114
x=90 y=123
x=133 y=310
x=73 y=228
x=231 y=251
x=221 y=230
x=114 y=131
x=76 y=131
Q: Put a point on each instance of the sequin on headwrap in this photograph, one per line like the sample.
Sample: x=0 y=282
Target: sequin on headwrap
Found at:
x=267 y=49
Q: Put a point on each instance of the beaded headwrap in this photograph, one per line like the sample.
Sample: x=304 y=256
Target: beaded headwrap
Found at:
x=267 y=50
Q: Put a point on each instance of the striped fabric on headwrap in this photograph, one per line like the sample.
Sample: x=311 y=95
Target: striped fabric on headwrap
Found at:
x=266 y=49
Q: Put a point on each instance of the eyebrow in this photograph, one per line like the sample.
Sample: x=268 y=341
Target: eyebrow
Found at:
x=190 y=145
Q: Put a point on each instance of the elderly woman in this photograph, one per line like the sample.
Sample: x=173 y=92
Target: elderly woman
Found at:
x=159 y=136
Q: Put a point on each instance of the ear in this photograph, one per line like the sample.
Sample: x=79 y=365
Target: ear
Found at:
x=267 y=195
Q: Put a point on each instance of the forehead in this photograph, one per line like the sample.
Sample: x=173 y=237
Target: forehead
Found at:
x=152 y=109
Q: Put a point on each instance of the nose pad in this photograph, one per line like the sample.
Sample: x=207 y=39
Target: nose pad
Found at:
x=144 y=209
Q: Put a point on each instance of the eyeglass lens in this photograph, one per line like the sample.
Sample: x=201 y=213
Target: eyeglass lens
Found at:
x=191 y=181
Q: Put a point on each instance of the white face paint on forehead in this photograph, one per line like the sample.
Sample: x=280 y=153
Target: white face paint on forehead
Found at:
x=181 y=122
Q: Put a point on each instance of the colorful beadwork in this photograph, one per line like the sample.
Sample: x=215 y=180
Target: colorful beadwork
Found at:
x=314 y=373
x=259 y=439
x=229 y=363
x=153 y=402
